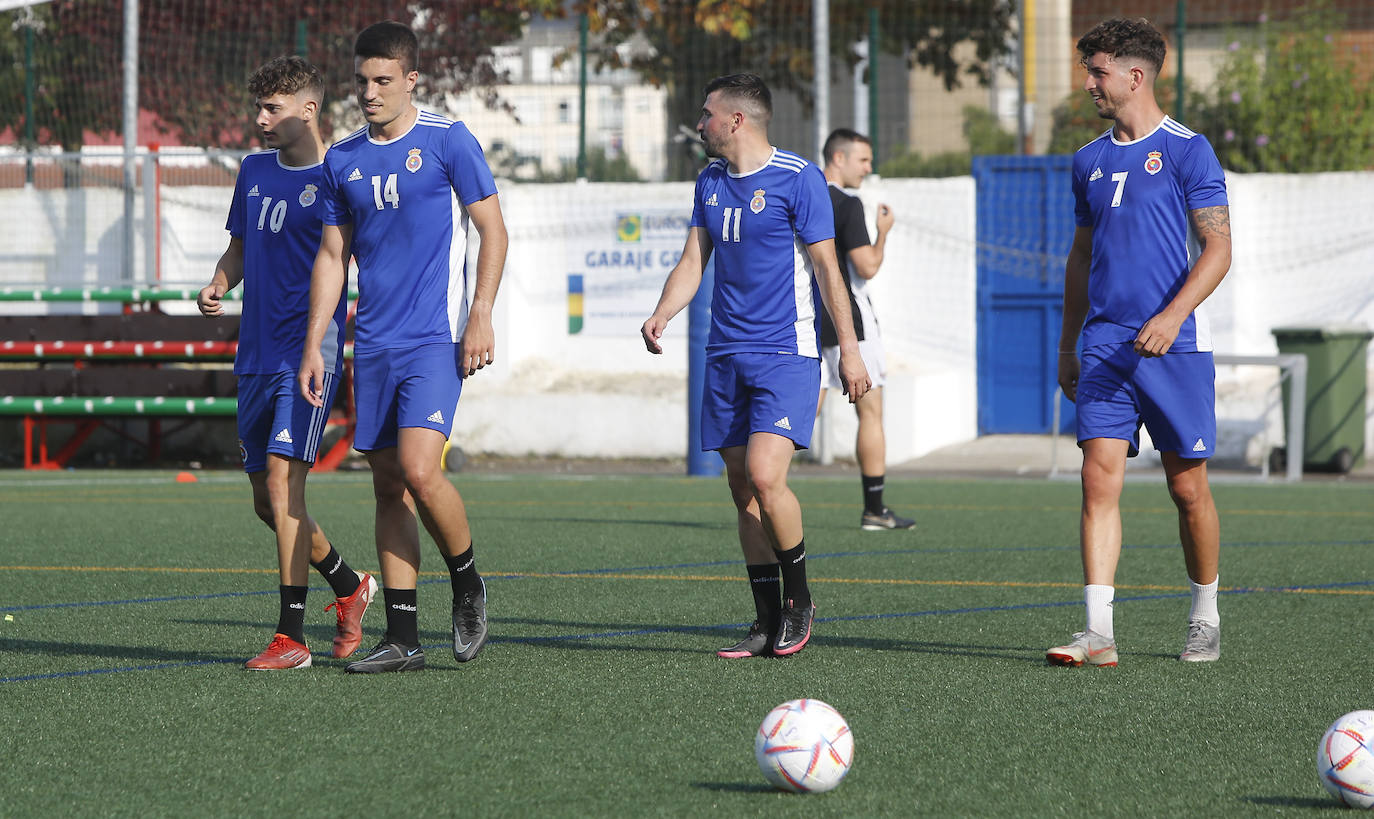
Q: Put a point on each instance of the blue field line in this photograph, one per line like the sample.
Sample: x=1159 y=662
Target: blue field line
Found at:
x=605 y=635
x=670 y=567
x=134 y=600
x=89 y=672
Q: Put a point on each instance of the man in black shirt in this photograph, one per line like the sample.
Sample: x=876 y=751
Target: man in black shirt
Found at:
x=848 y=159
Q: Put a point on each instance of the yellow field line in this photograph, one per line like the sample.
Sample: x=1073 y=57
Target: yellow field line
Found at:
x=862 y=581
x=116 y=496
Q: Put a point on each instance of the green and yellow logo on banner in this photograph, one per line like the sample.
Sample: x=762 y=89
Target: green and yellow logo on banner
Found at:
x=629 y=227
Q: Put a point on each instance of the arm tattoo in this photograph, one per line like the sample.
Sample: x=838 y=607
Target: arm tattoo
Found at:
x=1212 y=222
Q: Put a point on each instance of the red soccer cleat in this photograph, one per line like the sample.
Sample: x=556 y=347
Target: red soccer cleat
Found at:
x=350 y=611
x=281 y=654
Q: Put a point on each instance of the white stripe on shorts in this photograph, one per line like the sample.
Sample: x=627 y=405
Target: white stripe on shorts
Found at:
x=319 y=418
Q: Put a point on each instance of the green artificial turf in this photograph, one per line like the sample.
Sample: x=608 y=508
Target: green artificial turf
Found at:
x=130 y=602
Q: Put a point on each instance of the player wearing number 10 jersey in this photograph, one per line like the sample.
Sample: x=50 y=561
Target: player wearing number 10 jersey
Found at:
x=398 y=195
x=274 y=227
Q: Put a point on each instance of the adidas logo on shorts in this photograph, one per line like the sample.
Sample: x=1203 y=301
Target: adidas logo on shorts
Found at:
x=436 y=418
x=1199 y=446
x=284 y=436
x=783 y=424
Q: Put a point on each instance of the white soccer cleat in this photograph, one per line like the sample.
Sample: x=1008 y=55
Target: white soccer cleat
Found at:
x=1087 y=648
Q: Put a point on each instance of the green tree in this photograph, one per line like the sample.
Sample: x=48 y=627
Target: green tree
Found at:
x=984 y=135
x=681 y=44
x=601 y=167
x=1076 y=122
x=1293 y=101
x=196 y=55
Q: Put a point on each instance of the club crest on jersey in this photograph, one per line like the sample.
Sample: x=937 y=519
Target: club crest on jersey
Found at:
x=1154 y=163
x=413 y=162
x=757 y=203
x=307 y=197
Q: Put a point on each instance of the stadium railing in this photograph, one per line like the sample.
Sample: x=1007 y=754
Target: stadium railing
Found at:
x=140 y=363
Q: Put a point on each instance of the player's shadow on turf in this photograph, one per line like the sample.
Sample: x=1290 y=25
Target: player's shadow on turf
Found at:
x=682 y=524
x=734 y=787
x=1295 y=802
x=949 y=649
x=314 y=632
x=53 y=648
x=590 y=636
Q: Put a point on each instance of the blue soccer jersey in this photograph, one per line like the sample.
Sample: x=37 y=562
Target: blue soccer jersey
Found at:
x=277 y=213
x=1136 y=197
x=409 y=230
x=765 y=298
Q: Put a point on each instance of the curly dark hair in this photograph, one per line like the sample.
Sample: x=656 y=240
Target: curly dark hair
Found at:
x=286 y=75
x=1124 y=37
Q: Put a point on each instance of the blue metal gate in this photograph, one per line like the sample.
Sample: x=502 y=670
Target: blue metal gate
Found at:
x=1025 y=227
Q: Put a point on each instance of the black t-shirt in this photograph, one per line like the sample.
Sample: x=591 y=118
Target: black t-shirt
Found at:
x=850 y=232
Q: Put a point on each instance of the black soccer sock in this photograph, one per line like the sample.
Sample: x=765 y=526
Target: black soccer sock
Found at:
x=401 y=625
x=291 y=620
x=342 y=579
x=793 y=565
x=873 y=494
x=462 y=573
x=767 y=589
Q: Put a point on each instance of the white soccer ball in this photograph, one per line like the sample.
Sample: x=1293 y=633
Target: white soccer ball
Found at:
x=804 y=746
x=1345 y=759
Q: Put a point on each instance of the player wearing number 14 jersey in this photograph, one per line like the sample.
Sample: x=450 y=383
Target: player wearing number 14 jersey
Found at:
x=398 y=196
x=1135 y=348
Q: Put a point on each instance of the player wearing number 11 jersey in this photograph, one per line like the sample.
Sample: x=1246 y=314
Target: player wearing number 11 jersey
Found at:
x=398 y=196
x=766 y=216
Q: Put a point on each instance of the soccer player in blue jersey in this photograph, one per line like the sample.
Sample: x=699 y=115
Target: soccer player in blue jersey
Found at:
x=274 y=225
x=765 y=214
x=1135 y=346
x=398 y=195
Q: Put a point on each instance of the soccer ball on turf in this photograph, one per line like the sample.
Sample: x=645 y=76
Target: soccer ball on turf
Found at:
x=1345 y=759
x=804 y=746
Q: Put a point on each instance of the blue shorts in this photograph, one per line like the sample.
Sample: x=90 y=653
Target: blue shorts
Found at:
x=1174 y=396
x=274 y=417
x=412 y=387
x=746 y=393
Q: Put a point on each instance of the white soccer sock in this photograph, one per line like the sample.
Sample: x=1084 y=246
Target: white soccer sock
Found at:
x=1098 y=599
x=1205 y=604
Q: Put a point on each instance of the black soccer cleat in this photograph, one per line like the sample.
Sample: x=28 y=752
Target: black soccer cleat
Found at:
x=758 y=643
x=388 y=656
x=794 y=628
x=470 y=624
x=884 y=520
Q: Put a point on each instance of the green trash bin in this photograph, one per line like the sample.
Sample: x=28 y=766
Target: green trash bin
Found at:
x=1333 y=438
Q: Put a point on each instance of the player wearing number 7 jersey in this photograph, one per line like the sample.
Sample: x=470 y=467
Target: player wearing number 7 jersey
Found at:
x=1135 y=347
x=398 y=195
x=274 y=227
